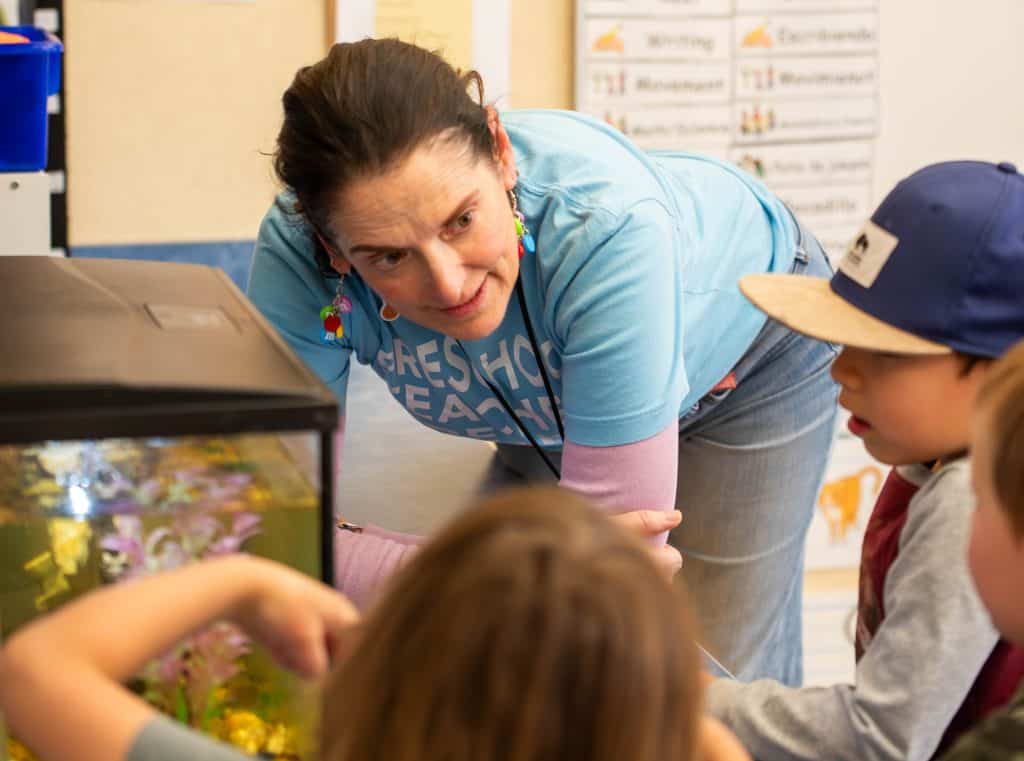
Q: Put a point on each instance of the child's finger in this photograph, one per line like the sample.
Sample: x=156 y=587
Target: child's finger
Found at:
x=668 y=559
x=649 y=522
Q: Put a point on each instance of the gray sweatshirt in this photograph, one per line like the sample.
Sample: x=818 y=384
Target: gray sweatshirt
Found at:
x=917 y=669
x=163 y=739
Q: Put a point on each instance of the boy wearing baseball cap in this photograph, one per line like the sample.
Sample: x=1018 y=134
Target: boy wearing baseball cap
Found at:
x=929 y=291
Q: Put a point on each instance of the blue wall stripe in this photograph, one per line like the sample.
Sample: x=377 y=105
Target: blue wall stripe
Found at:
x=232 y=256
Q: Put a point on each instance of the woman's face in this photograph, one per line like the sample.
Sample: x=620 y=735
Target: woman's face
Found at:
x=435 y=236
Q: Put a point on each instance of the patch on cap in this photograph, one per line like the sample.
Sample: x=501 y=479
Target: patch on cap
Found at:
x=867 y=253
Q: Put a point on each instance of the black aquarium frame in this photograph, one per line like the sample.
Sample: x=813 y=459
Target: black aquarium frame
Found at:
x=102 y=348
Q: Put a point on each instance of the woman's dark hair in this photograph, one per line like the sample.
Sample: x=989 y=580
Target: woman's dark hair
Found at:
x=363 y=109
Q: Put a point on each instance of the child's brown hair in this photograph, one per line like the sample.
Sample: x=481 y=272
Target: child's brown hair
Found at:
x=1001 y=404
x=531 y=629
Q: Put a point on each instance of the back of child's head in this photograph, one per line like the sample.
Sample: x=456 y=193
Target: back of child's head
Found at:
x=1000 y=415
x=531 y=629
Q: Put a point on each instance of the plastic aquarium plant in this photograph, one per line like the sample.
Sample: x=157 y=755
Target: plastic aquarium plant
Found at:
x=186 y=681
x=153 y=509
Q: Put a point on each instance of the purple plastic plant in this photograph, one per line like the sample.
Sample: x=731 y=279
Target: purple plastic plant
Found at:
x=184 y=680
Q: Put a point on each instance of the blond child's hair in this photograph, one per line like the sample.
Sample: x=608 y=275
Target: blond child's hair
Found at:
x=531 y=629
x=1001 y=405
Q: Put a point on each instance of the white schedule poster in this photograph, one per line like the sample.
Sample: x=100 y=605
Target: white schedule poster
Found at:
x=785 y=89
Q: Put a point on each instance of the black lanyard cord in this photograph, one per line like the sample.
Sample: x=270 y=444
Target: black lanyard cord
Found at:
x=547 y=386
x=540 y=359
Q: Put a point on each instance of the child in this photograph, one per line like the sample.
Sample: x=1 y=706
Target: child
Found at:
x=533 y=628
x=996 y=552
x=929 y=291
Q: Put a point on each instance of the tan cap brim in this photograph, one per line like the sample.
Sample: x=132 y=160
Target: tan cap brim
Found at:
x=809 y=306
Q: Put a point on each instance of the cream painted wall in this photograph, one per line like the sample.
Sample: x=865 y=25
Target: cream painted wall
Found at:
x=542 y=53
x=170 y=103
x=164 y=138
x=950 y=87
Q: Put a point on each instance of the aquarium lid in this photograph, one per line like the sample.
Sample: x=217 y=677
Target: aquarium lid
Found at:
x=94 y=348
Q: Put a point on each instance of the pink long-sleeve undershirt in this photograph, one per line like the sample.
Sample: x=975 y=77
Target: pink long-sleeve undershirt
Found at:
x=638 y=476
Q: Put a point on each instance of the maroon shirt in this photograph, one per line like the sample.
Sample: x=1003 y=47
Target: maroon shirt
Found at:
x=1003 y=671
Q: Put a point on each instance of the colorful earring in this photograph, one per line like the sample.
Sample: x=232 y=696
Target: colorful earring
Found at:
x=388 y=313
x=527 y=245
x=330 y=315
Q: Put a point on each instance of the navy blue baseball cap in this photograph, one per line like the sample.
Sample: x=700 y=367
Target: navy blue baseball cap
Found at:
x=938 y=268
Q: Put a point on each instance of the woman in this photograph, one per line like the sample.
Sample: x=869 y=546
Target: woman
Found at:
x=536 y=280
x=530 y=629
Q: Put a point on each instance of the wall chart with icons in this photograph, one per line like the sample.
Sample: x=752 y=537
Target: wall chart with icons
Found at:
x=786 y=89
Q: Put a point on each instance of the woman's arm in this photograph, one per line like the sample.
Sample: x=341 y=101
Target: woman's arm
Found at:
x=364 y=561
x=634 y=476
x=636 y=482
x=620 y=479
x=70 y=663
x=613 y=305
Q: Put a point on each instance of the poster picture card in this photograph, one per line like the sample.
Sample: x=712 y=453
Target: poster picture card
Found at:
x=657 y=84
x=765 y=121
x=654 y=39
x=809 y=76
x=660 y=8
x=707 y=128
x=803 y=6
x=808 y=164
x=809 y=34
x=829 y=206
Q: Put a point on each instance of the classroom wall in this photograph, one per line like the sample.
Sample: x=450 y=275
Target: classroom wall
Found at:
x=950 y=81
x=951 y=76
x=541 y=41
x=170 y=104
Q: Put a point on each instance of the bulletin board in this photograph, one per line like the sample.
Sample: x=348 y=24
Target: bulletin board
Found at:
x=787 y=89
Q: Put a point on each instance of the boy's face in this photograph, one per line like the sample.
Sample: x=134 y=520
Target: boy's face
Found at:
x=907 y=409
x=995 y=553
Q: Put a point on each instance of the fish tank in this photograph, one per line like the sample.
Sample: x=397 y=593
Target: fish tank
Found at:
x=150 y=418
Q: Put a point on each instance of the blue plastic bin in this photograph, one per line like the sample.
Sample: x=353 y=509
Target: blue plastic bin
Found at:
x=29 y=73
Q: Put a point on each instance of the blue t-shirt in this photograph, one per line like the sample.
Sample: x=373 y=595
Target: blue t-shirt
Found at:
x=632 y=294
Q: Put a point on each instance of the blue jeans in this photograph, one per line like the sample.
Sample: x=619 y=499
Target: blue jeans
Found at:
x=751 y=463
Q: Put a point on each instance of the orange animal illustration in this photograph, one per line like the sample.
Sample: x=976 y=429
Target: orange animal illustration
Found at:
x=758 y=38
x=839 y=501
x=610 y=42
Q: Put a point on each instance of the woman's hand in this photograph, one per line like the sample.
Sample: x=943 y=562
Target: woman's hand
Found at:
x=651 y=525
x=303 y=623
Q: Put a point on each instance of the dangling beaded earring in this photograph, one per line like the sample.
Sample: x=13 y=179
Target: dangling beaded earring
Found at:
x=526 y=243
x=330 y=315
x=388 y=313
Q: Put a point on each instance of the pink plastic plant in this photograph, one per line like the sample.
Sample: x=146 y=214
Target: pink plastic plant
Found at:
x=184 y=681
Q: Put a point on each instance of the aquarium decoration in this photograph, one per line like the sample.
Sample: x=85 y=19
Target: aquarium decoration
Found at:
x=137 y=510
